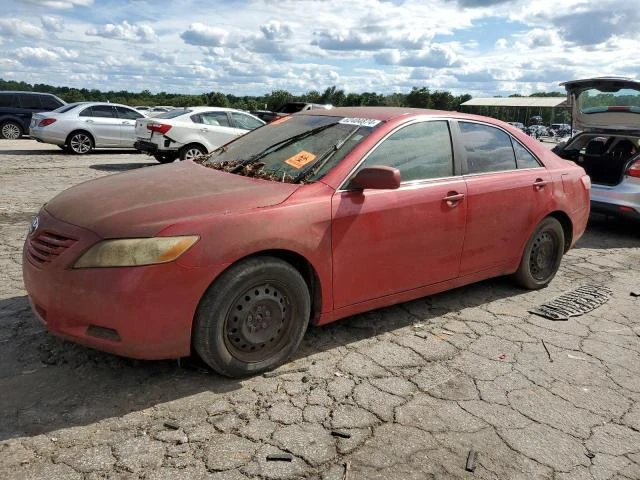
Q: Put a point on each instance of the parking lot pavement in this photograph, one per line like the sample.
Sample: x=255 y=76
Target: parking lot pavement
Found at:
x=398 y=393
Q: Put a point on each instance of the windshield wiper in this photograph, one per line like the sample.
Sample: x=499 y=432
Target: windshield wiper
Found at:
x=279 y=146
x=324 y=157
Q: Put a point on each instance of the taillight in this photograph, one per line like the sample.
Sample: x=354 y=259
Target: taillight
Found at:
x=161 y=128
x=634 y=169
x=46 y=121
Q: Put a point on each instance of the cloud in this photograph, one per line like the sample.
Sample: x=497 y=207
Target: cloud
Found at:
x=436 y=56
x=480 y=3
x=275 y=30
x=124 y=31
x=61 y=4
x=367 y=39
x=39 y=57
x=52 y=24
x=160 y=57
x=598 y=25
x=542 y=38
x=204 y=35
x=14 y=27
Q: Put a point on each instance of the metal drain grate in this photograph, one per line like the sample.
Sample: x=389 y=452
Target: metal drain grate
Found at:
x=572 y=304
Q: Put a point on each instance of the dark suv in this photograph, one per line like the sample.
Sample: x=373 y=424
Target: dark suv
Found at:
x=16 y=109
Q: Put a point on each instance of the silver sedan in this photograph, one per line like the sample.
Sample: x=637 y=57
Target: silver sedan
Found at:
x=80 y=127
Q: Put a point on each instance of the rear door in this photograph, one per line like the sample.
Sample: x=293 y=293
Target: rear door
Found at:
x=128 y=117
x=103 y=123
x=389 y=241
x=216 y=127
x=508 y=191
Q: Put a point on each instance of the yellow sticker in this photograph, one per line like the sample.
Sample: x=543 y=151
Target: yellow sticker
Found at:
x=300 y=159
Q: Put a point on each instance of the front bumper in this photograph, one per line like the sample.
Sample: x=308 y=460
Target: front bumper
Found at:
x=140 y=312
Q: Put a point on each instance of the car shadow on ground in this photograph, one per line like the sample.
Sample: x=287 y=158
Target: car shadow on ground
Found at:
x=49 y=383
x=58 y=151
x=605 y=232
x=120 y=167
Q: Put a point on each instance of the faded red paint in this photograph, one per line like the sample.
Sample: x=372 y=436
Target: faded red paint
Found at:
x=368 y=249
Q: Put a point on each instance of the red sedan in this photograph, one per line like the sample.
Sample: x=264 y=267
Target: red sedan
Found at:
x=312 y=218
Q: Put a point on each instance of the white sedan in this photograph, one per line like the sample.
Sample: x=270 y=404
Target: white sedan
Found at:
x=80 y=127
x=186 y=133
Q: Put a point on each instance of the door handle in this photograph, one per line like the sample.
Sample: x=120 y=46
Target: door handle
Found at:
x=127 y=123
x=539 y=184
x=453 y=198
x=88 y=121
x=204 y=129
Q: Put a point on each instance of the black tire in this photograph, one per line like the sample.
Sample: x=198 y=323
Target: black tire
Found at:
x=191 y=151
x=264 y=290
x=11 y=130
x=80 y=142
x=165 y=158
x=542 y=255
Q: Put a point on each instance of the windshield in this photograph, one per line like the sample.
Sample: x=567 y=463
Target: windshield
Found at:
x=295 y=149
x=291 y=108
x=594 y=100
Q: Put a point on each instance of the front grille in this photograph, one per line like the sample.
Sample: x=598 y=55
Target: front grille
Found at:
x=46 y=246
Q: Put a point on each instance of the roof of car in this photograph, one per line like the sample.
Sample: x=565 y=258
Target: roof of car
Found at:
x=389 y=113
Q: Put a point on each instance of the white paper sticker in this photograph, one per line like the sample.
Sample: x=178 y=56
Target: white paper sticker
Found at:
x=363 y=122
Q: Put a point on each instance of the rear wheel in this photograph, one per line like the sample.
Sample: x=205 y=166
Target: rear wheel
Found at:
x=542 y=255
x=252 y=318
x=11 y=130
x=192 y=151
x=80 y=143
x=164 y=157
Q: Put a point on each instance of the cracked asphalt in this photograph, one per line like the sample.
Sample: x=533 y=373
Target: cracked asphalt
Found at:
x=398 y=393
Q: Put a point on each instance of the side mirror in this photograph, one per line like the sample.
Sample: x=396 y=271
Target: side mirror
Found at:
x=376 y=177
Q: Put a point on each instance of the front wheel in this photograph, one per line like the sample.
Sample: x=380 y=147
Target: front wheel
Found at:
x=542 y=255
x=80 y=143
x=190 y=152
x=252 y=318
x=11 y=130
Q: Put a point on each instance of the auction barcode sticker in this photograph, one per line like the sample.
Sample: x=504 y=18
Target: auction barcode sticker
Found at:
x=363 y=122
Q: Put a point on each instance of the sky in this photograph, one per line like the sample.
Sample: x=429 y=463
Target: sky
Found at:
x=252 y=47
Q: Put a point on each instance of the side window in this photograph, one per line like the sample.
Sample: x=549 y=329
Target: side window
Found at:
x=215 y=118
x=103 y=111
x=49 y=102
x=30 y=101
x=86 y=112
x=488 y=148
x=524 y=159
x=9 y=100
x=420 y=151
x=128 y=113
x=245 y=121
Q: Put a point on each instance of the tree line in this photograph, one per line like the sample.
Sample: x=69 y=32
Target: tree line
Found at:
x=418 y=97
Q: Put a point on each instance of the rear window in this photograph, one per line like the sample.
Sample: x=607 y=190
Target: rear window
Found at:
x=594 y=100
x=30 y=101
x=174 y=113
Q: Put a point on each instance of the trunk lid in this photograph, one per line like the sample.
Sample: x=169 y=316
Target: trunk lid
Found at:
x=143 y=202
x=605 y=104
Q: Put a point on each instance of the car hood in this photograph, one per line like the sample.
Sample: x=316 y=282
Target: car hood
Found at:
x=607 y=118
x=143 y=202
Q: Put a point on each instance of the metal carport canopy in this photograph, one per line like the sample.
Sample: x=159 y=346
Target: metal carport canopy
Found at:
x=517 y=102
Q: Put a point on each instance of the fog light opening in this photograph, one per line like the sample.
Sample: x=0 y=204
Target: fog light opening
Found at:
x=103 y=333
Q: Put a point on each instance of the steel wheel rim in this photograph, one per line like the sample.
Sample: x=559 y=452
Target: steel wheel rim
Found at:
x=11 y=131
x=259 y=323
x=543 y=256
x=80 y=143
x=192 y=153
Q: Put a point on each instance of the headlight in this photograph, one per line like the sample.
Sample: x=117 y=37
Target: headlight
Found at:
x=129 y=252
